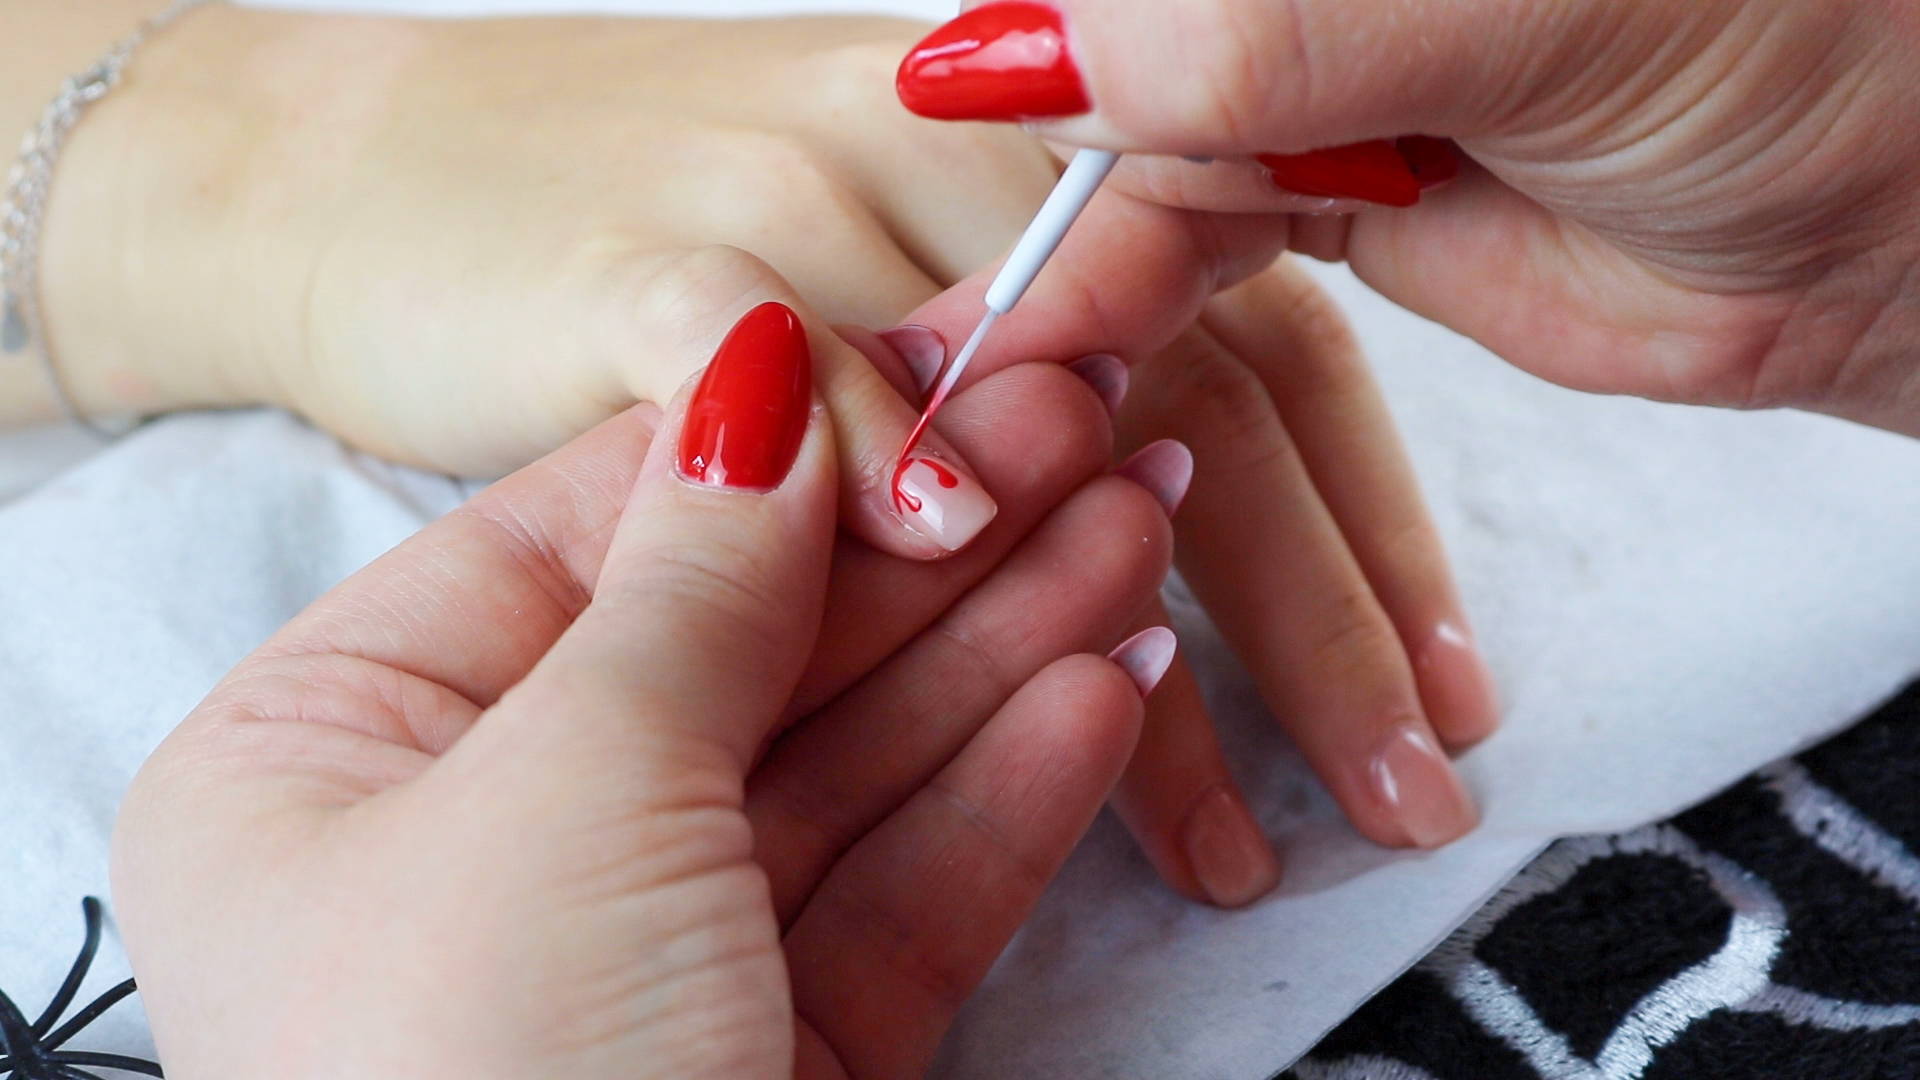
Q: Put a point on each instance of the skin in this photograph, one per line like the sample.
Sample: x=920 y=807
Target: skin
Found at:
x=1710 y=203
x=463 y=273
x=495 y=787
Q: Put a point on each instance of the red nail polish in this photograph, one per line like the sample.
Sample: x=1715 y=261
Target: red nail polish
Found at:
x=1371 y=171
x=1005 y=61
x=1433 y=161
x=749 y=413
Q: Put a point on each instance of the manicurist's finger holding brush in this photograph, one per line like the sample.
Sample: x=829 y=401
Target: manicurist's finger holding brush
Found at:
x=1714 y=202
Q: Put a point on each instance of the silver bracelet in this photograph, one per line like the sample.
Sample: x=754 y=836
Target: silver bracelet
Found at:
x=23 y=209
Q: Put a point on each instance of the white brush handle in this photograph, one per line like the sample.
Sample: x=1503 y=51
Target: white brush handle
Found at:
x=1085 y=173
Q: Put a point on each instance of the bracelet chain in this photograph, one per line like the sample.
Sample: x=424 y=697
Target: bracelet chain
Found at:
x=23 y=207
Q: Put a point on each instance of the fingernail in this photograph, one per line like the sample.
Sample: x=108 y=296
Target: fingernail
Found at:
x=749 y=414
x=1107 y=374
x=1370 y=171
x=922 y=349
x=1456 y=683
x=1230 y=857
x=1418 y=788
x=1146 y=656
x=1165 y=469
x=1433 y=161
x=1004 y=61
x=940 y=502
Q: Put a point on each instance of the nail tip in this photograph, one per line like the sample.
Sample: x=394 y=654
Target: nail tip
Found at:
x=952 y=521
x=1108 y=376
x=1146 y=656
x=1165 y=469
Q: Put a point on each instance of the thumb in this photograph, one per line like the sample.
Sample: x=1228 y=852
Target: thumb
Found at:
x=1263 y=76
x=708 y=604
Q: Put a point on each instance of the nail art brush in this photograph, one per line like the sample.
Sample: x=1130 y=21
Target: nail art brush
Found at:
x=1084 y=175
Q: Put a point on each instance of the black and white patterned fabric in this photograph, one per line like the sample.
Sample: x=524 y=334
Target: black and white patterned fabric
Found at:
x=1773 y=932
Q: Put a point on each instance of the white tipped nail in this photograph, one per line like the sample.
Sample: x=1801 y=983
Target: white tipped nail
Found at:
x=1108 y=376
x=1146 y=656
x=940 y=502
x=1164 y=468
x=922 y=349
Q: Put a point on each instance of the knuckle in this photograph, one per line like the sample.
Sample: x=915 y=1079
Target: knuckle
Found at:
x=1220 y=404
x=662 y=313
x=1315 y=318
x=717 y=590
x=1410 y=551
x=768 y=180
x=1352 y=637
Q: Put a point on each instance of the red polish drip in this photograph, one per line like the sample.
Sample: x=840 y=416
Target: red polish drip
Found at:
x=902 y=500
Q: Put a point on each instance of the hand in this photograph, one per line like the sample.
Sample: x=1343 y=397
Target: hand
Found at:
x=500 y=266
x=1306 y=538
x=1705 y=202
x=494 y=785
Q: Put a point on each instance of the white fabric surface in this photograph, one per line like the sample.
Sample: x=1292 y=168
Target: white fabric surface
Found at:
x=1670 y=597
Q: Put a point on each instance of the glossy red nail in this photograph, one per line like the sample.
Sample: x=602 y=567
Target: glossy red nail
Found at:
x=1433 y=161
x=1373 y=172
x=1005 y=61
x=749 y=413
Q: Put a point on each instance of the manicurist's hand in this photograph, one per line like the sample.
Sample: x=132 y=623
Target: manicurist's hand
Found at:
x=1713 y=202
x=489 y=809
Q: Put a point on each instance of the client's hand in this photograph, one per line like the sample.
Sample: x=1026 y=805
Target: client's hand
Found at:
x=481 y=811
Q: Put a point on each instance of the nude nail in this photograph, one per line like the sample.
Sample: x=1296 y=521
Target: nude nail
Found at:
x=940 y=502
x=1164 y=468
x=922 y=349
x=1230 y=857
x=1107 y=374
x=1419 y=790
x=1457 y=684
x=1146 y=656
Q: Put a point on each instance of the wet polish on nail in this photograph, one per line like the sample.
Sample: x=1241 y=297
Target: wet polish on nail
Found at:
x=1418 y=788
x=1002 y=61
x=1108 y=376
x=1146 y=656
x=749 y=414
x=922 y=349
x=1165 y=469
x=940 y=502
x=1231 y=859
x=1373 y=172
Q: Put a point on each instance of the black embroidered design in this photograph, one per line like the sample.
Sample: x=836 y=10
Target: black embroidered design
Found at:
x=1772 y=932
x=32 y=1051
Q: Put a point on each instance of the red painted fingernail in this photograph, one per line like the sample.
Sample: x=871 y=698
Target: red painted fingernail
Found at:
x=1005 y=61
x=749 y=413
x=1165 y=469
x=1146 y=656
x=1433 y=161
x=1107 y=374
x=1370 y=171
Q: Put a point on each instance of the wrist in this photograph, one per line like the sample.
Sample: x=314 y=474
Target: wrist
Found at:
x=167 y=280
